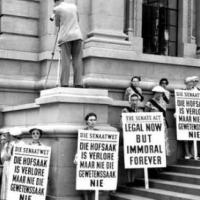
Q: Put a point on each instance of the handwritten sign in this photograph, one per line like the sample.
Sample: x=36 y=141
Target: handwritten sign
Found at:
x=29 y=172
x=144 y=140
x=187 y=114
x=97 y=167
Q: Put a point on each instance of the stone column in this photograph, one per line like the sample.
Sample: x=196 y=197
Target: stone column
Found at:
x=198 y=27
x=47 y=30
x=107 y=25
x=133 y=23
x=137 y=25
x=129 y=18
x=47 y=35
x=186 y=45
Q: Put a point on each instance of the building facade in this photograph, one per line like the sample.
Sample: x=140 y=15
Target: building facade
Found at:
x=122 y=38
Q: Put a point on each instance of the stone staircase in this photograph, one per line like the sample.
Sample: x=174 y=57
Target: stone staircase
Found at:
x=177 y=182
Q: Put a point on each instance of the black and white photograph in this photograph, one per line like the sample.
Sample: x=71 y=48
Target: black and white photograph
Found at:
x=99 y=100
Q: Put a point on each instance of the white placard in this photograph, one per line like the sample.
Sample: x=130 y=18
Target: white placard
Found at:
x=29 y=171
x=97 y=163
x=144 y=140
x=187 y=114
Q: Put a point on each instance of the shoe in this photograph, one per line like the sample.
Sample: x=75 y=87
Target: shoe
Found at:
x=78 y=86
x=188 y=157
x=197 y=158
x=65 y=86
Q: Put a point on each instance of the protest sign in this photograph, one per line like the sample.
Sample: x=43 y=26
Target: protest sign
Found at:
x=144 y=140
x=97 y=163
x=29 y=170
x=187 y=114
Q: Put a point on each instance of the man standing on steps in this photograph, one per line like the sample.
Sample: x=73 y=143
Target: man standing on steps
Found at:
x=134 y=100
x=70 y=41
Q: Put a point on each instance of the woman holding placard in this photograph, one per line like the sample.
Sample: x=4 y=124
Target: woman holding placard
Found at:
x=5 y=158
x=189 y=85
x=133 y=108
x=195 y=83
x=90 y=120
x=8 y=139
x=156 y=105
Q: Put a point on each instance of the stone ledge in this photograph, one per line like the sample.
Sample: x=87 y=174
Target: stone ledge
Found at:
x=110 y=82
x=74 y=95
x=88 y=81
x=59 y=129
x=103 y=53
x=73 y=91
x=118 y=103
x=107 y=44
x=20 y=107
x=22 y=8
x=18 y=55
x=117 y=35
x=134 y=56
x=27 y=56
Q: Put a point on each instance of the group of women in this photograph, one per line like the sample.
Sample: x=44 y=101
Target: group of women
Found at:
x=158 y=103
x=133 y=94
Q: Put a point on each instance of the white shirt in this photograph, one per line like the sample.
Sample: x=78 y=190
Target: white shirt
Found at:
x=66 y=14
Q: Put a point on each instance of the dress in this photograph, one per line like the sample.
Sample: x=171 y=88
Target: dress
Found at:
x=6 y=154
x=133 y=90
x=38 y=143
x=5 y=158
x=165 y=99
x=196 y=89
x=157 y=106
x=70 y=42
x=87 y=194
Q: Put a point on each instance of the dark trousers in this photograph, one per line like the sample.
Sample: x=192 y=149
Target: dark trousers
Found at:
x=71 y=50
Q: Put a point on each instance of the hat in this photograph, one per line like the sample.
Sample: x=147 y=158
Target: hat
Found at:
x=195 y=78
x=15 y=131
x=158 y=89
x=31 y=130
x=189 y=79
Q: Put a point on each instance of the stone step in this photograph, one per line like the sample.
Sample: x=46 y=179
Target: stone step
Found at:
x=188 y=169
x=190 y=162
x=157 y=194
x=180 y=177
x=123 y=196
x=172 y=186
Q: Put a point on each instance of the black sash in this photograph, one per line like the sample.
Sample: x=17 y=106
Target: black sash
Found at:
x=95 y=129
x=137 y=92
x=131 y=110
x=165 y=98
x=154 y=103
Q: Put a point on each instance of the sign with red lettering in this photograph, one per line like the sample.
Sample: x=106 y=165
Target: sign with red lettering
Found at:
x=97 y=162
x=144 y=140
x=187 y=114
x=28 y=172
